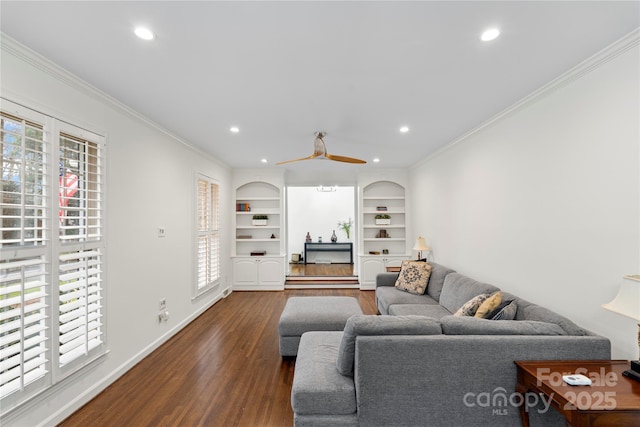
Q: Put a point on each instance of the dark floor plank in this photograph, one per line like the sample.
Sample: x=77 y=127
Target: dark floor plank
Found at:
x=223 y=369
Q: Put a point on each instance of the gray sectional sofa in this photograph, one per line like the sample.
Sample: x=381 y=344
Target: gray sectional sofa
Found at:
x=417 y=364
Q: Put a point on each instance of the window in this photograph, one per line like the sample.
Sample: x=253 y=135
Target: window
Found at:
x=52 y=228
x=207 y=235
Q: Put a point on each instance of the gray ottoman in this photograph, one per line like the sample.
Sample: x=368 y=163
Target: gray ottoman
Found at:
x=304 y=314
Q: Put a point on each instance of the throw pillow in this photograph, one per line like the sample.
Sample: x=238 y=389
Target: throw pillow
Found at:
x=413 y=277
x=508 y=312
x=470 y=307
x=489 y=305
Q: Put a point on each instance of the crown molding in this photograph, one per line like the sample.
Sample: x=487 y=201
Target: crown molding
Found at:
x=40 y=62
x=628 y=42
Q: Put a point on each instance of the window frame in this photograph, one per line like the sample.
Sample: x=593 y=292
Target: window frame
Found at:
x=53 y=247
x=212 y=231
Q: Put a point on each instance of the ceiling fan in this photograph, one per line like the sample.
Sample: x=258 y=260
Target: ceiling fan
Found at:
x=320 y=152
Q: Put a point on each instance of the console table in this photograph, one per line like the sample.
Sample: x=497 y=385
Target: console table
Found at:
x=611 y=400
x=328 y=247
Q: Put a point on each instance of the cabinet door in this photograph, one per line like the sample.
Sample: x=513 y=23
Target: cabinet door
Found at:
x=270 y=271
x=245 y=271
x=370 y=268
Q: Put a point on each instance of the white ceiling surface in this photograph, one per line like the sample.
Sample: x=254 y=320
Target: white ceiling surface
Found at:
x=282 y=70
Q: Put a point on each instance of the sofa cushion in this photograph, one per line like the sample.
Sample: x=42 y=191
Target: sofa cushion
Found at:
x=359 y=325
x=436 y=280
x=389 y=295
x=470 y=307
x=456 y=325
x=505 y=311
x=490 y=304
x=318 y=387
x=430 y=310
x=458 y=289
x=413 y=277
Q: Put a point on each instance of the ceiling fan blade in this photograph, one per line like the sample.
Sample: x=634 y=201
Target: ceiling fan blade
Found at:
x=313 y=156
x=344 y=159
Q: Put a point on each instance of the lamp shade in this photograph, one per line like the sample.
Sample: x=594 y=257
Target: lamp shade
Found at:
x=420 y=245
x=627 y=302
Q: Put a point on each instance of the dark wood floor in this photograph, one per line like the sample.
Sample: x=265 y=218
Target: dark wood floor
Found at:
x=223 y=369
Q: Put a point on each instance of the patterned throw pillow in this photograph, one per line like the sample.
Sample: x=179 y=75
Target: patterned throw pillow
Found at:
x=489 y=305
x=470 y=307
x=413 y=277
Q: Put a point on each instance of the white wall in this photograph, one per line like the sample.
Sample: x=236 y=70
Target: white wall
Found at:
x=318 y=213
x=544 y=202
x=150 y=183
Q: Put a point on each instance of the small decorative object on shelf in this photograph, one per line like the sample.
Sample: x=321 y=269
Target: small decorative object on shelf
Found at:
x=381 y=208
x=385 y=251
x=308 y=238
x=334 y=238
x=383 y=219
x=319 y=239
x=273 y=236
x=382 y=234
x=260 y=219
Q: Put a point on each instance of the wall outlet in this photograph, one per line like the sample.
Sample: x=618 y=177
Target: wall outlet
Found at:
x=163 y=304
x=163 y=316
x=161 y=232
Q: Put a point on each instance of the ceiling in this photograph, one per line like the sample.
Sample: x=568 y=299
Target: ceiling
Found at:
x=280 y=71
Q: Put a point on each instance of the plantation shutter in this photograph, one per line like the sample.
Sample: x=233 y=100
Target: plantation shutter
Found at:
x=208 y=235
x=24 y=266
x=80 y=255
x=80 y=295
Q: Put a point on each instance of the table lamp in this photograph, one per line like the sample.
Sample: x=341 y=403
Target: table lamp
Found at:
x=627 y=303
x=420 y=246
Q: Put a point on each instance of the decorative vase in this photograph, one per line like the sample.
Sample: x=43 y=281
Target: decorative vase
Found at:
x=334 y=238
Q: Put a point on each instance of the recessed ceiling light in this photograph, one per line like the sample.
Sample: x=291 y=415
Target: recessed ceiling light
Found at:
x=144 y=33
x=376 y=160
x=490 y=34
x=404 y=129
x=234 y=129
x=264 y=160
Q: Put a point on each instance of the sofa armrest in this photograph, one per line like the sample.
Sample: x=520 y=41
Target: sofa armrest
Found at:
x=386 y=279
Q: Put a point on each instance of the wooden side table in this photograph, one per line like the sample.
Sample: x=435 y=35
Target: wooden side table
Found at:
x=611 y=400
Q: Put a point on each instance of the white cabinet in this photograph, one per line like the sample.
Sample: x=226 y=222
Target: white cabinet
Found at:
x=258 y=273
x=371 y=266
x=258 y=243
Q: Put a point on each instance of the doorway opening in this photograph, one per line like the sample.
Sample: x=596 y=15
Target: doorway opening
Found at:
x=313 y=217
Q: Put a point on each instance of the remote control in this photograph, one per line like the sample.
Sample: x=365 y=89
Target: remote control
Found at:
x=576 y=379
